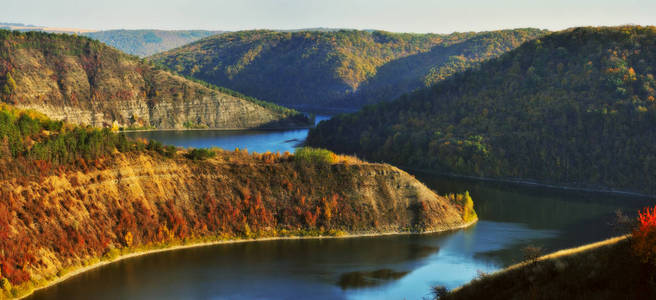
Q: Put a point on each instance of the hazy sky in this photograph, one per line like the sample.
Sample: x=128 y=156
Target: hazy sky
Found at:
x=398 y=15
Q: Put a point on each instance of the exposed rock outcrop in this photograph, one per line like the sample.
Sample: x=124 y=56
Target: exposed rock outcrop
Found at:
x=86 y=82
x=136 y=201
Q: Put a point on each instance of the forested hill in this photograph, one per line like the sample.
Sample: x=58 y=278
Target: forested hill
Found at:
x=575 y=107
x=85 y=81
x=148 y=42
x=345 y=68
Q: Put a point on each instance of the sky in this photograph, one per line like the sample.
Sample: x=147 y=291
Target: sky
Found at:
x=420 y=16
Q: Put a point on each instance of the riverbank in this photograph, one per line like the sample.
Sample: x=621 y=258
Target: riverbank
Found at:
x=72 y=272
x=219 y=129
x=602 y=270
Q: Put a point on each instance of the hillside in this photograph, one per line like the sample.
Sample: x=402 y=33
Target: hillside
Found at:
x=603 y=270
x=572 y=108
x=84 y=81
x=72 y=197
x=147 y=42
x=345 y=68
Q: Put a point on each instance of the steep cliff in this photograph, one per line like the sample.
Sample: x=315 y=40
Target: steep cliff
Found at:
x=84 y=81
x=72 y=197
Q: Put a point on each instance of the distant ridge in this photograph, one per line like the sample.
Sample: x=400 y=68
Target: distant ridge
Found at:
x=332 y=68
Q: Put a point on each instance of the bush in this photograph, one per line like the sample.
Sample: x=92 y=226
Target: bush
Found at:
x=314 y=156
x=469 y=214
x=644 y=236
x=439 y=292
x=200 y=154
x=532 y=253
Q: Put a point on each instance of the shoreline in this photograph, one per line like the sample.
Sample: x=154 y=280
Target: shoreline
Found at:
x=529 y=182
x=218 y=129
x=557 y=254
x=102 y=263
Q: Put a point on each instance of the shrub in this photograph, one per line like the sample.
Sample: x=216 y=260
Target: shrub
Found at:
x=314 y=156
x=200 y=154
x=644 y=236
x=532 y=253
x=439 y=292
x=169 y=151
x=156 y=146
x=469 y=214
x=5 y=284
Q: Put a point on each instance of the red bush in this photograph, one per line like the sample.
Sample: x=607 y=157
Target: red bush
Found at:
x=644 y=236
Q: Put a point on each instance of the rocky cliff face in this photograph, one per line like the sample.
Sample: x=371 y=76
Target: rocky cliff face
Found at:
x=83 y=81
x=65 y=220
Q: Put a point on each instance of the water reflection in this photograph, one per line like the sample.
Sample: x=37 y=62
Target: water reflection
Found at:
x=362 y=279
x=254 y=140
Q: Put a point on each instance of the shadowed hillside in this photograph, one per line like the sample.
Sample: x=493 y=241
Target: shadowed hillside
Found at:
x=572 y=108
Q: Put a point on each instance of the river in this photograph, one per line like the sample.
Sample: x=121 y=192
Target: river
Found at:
x=386 y=267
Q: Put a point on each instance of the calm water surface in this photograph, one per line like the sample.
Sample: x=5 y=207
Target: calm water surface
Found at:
x=511 y=217
x=254 y=140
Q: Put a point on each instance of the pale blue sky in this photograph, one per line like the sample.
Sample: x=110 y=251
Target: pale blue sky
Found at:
x=399 y=15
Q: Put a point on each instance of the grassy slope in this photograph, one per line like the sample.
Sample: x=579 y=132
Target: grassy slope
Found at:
x=574 y=107
x=345 y=68
x=603 y=270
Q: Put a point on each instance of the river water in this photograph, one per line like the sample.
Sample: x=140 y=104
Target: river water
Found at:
x=385 y=267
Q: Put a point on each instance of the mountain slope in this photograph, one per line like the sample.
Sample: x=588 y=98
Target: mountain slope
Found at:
x=84 y=81
x=72 y=197
x=145 y=42
x=575 y=107
x=345 y=68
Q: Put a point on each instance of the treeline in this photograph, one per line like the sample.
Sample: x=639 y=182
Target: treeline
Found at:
x=575 y=107
x=32 y=144
x=346 y=68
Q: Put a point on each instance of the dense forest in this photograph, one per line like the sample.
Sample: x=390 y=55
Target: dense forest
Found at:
x=74 y=196
x=344 y=68
x=575 y=107
x=85 y=81
x=147 y=42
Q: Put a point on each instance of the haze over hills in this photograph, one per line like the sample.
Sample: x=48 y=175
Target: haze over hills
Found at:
x=573 y=108
x=145 y=42
x=27 y=27
x=345 y=68
x=84 y=81
x=140 y=42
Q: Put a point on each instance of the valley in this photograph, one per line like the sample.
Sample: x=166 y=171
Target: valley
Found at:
x=326 y=160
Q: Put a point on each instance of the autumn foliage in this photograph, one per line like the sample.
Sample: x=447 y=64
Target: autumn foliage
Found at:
x=644 y=236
